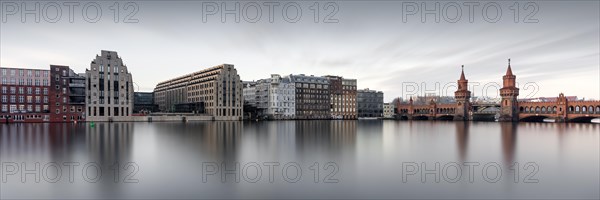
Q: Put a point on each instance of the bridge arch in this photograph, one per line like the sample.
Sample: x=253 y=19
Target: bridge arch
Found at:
x=445 y=117
x=420 y=117
x=534 y=118
x=582 y=119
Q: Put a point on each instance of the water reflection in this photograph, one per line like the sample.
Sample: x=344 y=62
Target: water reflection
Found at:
x=368 y=152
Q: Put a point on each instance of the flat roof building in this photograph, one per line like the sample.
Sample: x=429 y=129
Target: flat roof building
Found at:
x=218 y=89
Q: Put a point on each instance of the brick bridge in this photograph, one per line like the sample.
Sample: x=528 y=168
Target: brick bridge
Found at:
x=509 y=108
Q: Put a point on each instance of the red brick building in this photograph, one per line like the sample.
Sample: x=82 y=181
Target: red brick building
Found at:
x=39 y=95
x=67 y=95
x=24 y=95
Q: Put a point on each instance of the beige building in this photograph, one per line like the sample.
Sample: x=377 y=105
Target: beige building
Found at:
x=388 y=110
x=218 y=89
x=109 y=88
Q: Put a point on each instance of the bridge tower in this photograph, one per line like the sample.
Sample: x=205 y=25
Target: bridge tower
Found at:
x=462 y=96
x=509 y=106
x=563 y=105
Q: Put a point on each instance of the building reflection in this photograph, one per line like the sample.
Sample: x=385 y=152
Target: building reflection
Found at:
x=508 y=131
x=109 y=143
x=41 y=141
x=214 y=140
x=462 y=139
x=325 y=137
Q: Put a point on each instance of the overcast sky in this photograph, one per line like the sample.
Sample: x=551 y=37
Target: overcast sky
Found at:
x=370 y=42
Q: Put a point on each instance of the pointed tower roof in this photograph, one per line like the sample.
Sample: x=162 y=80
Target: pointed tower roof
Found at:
x=509 y=70
x=462 y=73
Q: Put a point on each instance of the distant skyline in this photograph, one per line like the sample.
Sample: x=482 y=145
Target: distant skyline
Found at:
x=370 y=43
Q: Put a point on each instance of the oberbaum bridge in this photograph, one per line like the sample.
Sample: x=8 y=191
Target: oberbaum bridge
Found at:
x=509 y=108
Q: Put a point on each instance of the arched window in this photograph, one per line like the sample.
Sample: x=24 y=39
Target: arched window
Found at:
x=537 y=109
x=591 y=109
x=543 y=109
x=597 y=109
x=554 y=109
x=526 y=109
x=570 y=108
x=583 y=109
x=577 y=109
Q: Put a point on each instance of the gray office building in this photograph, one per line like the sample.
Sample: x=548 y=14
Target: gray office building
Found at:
x=370 y=103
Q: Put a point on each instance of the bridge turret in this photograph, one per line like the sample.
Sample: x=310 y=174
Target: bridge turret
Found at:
x=509 y=92
x=462 y=96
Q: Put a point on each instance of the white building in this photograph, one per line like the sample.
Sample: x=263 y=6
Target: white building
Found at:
x=275 y=97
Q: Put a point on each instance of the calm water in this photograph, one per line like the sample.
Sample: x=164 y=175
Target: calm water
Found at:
x=300 y=159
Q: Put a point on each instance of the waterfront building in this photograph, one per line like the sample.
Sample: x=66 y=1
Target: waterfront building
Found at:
x=343 y=97
x=218 y=90
x=249 y=91
x=389 y=110
x=143 y=102
x=370 y=103
x=313 y=99
x=24 y=95
x=109 y=88
x=275 y=97
x=67 y=95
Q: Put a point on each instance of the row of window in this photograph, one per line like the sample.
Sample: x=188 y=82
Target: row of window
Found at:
x=21 y=90
x=25 y=72
x=102 y=111
x=31 y=82
x=24 y=108
x=24 y=99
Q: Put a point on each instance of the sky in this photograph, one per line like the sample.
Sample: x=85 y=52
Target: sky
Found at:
x=554 y=46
